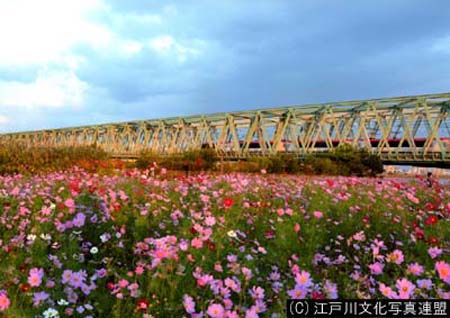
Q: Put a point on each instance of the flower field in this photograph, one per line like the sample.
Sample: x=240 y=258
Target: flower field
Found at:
x=146 y=244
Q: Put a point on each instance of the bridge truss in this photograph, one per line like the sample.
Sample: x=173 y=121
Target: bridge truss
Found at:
x=411 y=129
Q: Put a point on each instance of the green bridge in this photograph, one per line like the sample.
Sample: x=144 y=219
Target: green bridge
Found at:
x=402 y=130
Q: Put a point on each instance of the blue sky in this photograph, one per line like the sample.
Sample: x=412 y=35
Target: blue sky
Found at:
x=69 y=63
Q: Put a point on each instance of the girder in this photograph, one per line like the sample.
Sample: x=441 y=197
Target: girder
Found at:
x=399 y=129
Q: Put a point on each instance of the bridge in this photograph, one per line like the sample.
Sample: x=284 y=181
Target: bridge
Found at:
x=401 y=130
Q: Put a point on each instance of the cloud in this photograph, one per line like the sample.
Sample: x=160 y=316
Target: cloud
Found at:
x=165 y=44
x=54 y=89
x=4 y=120
x=87 y=61
x=36 y=32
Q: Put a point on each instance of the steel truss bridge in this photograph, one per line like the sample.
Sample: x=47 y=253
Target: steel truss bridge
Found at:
x=402 y=130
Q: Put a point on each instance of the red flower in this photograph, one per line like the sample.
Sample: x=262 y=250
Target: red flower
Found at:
x=433 y=240
x=430 y=206
x=366 y=219
x=110 y=285
x=23 y=268
x=431 y=220
x=142 y=304
x=270 y=234
x=116 y=206
x=92 y=188
x=74 y=186
x=25 y=287
x=419 y=233
x=211 y=245
x=228 y=202
x=316 y=295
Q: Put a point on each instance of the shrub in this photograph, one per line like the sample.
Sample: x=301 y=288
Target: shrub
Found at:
x=17 y=158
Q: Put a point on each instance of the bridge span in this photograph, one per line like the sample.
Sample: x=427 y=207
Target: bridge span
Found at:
x=402 y=130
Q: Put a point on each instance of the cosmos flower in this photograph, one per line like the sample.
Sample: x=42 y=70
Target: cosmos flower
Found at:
x=215 y=310
x=39 y=298
x=415 y=269
x=4 y=300
x=395 y=257
x=189 y=304
x=303 y=279
x=376 y=268
x=443 y=270
x=435 y=252
x=35 y=277
x=405 y=288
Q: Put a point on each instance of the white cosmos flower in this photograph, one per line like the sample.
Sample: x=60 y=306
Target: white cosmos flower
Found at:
x=45 y=237
x=63 y=302
x=51 y=313
x=94 y=250
x=232 y=234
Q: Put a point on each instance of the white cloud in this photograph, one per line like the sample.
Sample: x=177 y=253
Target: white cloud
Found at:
x=54 y=89
x=4 y=120
x=130 y=18
x=36 y=32
x=129 y=48
x=166 y=44
x=162 y=43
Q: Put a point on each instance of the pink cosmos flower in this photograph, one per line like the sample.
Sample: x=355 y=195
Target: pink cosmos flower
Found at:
x=215 y=311
x=123 y=283
x=4 y=300
x=257 y=292
x=35 y=277
x=360 y=236
x=197 y=243
x=139 y=270
x=376 y=268
x=251 y=313
x=303 y=279
x=318 y=214
x=434 y=252
x=247 y=273
x=218 y=267
x=395 y=257
x=297 y=227
x=70 y=203
x=189 y=304
x=443 y=269
x=210 y=220
x=299 y=292
x=387 y=291
x=405 y=287
x=415 y=269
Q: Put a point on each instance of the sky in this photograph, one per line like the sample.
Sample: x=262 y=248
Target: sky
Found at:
x=71 y=63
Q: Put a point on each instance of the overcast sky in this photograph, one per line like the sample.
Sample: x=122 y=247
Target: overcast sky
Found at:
x=77 y=62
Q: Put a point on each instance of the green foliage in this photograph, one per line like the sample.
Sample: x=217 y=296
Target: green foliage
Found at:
x=194 y=160
x=343 y=160
x=17 y=158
